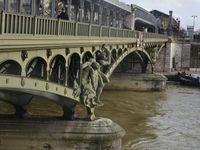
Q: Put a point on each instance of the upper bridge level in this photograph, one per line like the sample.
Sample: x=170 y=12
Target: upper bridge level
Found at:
x=111 y=13
x=24 y=32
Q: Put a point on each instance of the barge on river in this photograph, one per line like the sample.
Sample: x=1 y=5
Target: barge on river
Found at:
x=189 y=79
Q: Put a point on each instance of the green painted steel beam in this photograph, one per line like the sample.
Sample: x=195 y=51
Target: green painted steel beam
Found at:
x=17 y=83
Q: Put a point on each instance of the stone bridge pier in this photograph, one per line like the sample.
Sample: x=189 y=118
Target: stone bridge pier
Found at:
x=137 y=72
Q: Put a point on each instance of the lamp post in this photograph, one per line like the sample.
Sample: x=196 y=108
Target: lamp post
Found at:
x=198 y=54
x=193 y=16
x=183 y=41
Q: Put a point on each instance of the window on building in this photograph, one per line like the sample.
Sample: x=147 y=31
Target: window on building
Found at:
x=1 y=4
x=26 y=6
x=13 y=5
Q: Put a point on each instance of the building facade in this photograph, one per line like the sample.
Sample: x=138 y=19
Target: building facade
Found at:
x=169 y=25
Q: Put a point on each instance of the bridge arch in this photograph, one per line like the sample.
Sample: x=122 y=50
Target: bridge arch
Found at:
x=162 y=46
x=125 y=49
x=113 y=55
x=144 y=60
x=36 y=68
x=58 y=69
x=87 y=56
x=146 y=53
x=123 y=57
x=10 y=67
x=119 y=52
x=70 y=55
x=73 y=73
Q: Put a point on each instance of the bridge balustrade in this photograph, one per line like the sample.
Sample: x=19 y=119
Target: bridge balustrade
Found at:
x=120 y=33
x=66 y=28
x=37 y=25
x=113 y=32
x=95 y=30
x=105 y=32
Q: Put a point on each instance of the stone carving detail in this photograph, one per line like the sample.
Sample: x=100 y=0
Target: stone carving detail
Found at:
x=24 y=55
x=104 y=57
x=45 y=9
x=92 y=82
x=154 y=56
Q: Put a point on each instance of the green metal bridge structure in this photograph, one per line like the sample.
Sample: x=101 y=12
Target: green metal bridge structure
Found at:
x=43 y=56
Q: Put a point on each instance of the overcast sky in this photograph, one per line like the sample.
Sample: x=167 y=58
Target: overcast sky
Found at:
x=182 y=9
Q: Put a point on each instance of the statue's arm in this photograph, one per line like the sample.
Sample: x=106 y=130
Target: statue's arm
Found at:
x=104 y=77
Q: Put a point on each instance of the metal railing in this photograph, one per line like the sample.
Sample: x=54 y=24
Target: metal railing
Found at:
x=37 y=25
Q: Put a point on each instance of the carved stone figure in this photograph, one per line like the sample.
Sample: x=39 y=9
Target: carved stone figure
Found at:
x=92 y=83
x=45 y=9
x=104 y=56
x=59 y=5
x=63 y=15
x=154 y=56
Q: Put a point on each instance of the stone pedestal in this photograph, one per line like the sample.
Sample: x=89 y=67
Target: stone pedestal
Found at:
x=137 y=82
x=101 y=134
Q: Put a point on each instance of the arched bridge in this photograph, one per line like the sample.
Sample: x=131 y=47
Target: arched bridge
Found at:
x=45 y=57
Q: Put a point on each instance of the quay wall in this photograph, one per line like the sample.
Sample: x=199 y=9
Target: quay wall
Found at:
x=137 y=82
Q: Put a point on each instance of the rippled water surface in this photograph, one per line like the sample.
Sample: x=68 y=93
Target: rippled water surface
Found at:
x=168 y=120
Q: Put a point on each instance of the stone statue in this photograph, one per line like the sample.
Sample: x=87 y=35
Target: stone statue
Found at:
x=45 y=9
x=104 y=56
x=154 y=57
x=92 y=83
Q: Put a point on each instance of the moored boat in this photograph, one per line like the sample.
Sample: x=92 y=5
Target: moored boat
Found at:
x=189 y=79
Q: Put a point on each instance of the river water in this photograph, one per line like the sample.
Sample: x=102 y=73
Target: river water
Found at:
x=167 y=120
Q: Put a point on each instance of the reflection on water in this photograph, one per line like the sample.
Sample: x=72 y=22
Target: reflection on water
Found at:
x=152 y=120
